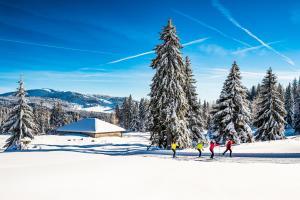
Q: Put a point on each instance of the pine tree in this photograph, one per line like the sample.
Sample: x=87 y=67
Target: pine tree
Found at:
x=168 y=101
x=297 y=109
x=4 y=114
x=231 y=115
x=194 y=115
x=20 y=123
x=118 y=114
x=127 y=112
x=297 y=116
x=134 y=112
x=206 y=114
x=281 y=91
x=270 y=117
x=143 y=115
x=252 y=93
x=295 y=88
x=57 y=117
x=254 y=102
x=289 y=106
x=42 y=117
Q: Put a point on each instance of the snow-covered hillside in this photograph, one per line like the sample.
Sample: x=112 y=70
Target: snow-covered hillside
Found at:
x=77 y=167
x=72 y=100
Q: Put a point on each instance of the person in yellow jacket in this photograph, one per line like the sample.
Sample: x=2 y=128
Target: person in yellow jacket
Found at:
x=173 y=147
x=199 y=147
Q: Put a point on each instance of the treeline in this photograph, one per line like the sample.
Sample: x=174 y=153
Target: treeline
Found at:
x=135 y=115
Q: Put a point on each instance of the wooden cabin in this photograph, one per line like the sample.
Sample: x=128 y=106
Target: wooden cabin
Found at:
x=92 y=127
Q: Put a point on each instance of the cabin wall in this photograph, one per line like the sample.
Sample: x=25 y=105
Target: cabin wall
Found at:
x=118 y=134
x=95 y=135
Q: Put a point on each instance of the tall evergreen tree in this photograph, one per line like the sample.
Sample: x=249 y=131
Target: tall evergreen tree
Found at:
x=231 y=115
x=42 y=117
x=168 y=101
x=118 y=115
x=127 y=112
x=271 y=112
x=252 y=93
x=143 y=115
x=20 y=123
x=57 y=117
x=135 y=121
x=194 y=115
x=297 y=116
x=206 y=116
x=295 y=88
x=289 y=106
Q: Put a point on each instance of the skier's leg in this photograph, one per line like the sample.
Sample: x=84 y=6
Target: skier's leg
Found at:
x=174 y=153
x=225 y=151
x=230 y=152
x=200 y=153
x=212 y=154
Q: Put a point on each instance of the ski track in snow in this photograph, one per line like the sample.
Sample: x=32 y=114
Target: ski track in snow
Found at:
x=135 y=144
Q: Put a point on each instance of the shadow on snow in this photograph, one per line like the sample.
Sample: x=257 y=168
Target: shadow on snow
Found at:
x=141 y=149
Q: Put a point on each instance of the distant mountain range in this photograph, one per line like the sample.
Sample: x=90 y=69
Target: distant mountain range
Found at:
x=70 y=100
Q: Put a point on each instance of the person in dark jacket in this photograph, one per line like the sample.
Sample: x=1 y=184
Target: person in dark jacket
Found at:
x=212 y=145
x=229 y=144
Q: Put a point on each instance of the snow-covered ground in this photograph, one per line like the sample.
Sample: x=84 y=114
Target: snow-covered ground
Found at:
x=78 y=167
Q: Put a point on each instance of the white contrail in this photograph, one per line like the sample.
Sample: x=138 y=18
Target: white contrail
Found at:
x=131 y=57
x=57 y=47
x=150 y=52
x=253 y=48
x=227 y=14
x=210 y=27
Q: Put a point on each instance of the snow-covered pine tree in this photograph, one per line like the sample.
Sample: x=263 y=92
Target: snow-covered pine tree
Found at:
x=4 y=114
x=42 y=117
x=149 y=117
x=297 y=116
x=297 y=109
x=20 y=123
x=118 y=114
x=126 y=112
x=143 y=115
x=295 y=88
x=252 y=93
x=194 y=115
x=134 y=112
x=254 y=102
x=271 y=112
x=289 y=106
x=57 y=117
x=231 y=115
x=281 y=91
x=168 y=100
x=205 y=114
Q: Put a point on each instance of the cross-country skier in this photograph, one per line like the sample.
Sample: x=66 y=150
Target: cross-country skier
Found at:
x=173 y=147
x=229 y=144
x=212 y=145
x=200 y=148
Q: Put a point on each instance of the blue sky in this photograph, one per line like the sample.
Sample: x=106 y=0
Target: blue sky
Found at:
x=70 y=45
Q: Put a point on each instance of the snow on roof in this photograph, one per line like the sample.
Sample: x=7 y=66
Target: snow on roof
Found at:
x=90 y=125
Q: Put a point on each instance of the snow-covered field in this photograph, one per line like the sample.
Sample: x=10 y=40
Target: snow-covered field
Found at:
x=77 y=167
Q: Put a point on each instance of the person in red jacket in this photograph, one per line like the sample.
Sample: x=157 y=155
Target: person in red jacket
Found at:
x=212 y=145
x=229 y=144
